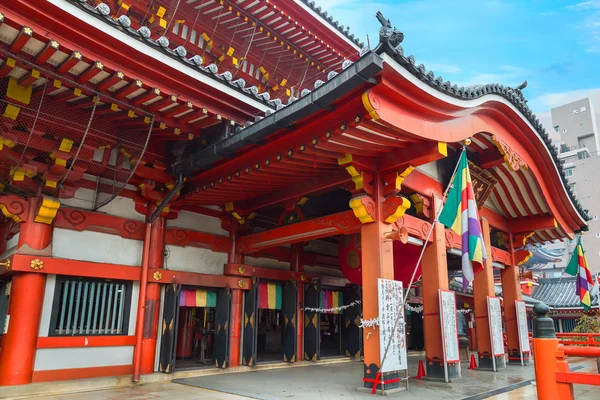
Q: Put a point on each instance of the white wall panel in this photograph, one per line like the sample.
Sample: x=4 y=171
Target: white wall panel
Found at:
x=193 y=259
x=82 y=357
x=197 y=222
x=96 y=247
x=47 y=306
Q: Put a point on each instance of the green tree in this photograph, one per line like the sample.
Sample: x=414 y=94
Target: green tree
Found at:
x=587 y=324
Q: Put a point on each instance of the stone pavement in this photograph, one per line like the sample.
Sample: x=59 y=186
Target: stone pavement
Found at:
x=332 y=381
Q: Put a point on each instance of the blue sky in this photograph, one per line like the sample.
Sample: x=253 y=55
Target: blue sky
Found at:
x=553 y=44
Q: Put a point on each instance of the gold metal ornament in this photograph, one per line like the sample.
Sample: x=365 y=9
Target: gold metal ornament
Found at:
x=241 y=283
x=242 y=269
x=36 y=264
x=157 y=276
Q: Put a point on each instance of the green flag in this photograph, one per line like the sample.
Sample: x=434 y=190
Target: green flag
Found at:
x=573 y=266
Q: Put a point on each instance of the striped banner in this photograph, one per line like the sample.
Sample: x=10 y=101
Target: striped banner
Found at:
x=198 y=298
x=332 y=299
x=269 y=296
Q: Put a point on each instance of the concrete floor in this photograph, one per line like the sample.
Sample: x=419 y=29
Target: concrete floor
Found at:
x=332 y=381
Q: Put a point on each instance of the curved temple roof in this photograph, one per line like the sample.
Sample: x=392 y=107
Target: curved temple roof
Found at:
x=512 y=114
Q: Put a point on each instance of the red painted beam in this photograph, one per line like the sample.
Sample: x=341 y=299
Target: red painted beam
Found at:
x=415 y=155
x=60 y=342
x=109 y=81
x=21 y=39
x=330 y=225
x=532 y=224
x=184 y=238
x=69 y=63
x=196 y=279
x=297 y=191
x=49 y=50
x=63 y=266
x=81 y=220
x=266 y=273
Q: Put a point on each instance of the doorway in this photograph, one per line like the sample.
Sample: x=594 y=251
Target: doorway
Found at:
x=330 y=324
x=269 y=336
x=194 y=328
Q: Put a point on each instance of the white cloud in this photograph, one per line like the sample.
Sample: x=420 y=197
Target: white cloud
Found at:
x=585 y=5
x=507 y=75
x=545 y=102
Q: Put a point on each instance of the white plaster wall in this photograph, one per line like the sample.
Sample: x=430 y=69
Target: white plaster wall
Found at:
x=430 y=169
x=119 y=206
x=135 y=296
x=96 y=247
x=193 y=259
x=82 y=357
x=197 y=222
x=47 y=306
x=11 y=247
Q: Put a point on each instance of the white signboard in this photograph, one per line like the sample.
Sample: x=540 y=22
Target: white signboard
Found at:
x=522 y=326
x=495 y=320
x=449 y=325
x=391 y=308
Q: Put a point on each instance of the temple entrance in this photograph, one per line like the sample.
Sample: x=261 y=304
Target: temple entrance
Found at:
x=195 y=333
x=269 y=326
x=196 y=328
x=331 y=324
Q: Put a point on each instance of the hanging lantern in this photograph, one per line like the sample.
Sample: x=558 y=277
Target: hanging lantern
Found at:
x=349 y=250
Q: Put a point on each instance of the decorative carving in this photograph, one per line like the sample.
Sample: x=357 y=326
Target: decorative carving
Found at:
x=157 y=276
x=422 y=205
x=388 y=34
x=13 y=207
x=237 y=214
x=483 y=184
x=522 y=256
x=242 y=269
x=414 y=226
x=78 y=220
x=511 y=158
x=241 y=283
x=501 y=256
x=183 y=238
x=394 y=207
x=364 y=208
x=36 y=264
x=520 y=240
x=47 y=211
x=395 y=180
x=303 y=277
x=362 y=179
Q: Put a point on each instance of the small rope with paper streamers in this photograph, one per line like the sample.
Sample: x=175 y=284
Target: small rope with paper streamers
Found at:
x=332 y=310
x=371 y=323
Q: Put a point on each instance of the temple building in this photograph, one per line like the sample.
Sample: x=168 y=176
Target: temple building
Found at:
x=215 y=184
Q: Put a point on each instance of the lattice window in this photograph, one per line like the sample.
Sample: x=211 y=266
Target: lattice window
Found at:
x=90 y=307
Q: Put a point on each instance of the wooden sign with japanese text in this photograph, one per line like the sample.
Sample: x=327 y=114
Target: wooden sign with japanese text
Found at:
x=449 y=325
x=495 y=320
x=391 y=325
x=522 y=326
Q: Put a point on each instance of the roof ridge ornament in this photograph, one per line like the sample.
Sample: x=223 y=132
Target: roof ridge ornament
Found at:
x=388 y=34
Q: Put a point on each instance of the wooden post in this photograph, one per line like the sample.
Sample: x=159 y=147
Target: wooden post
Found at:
x=483 y=286
x=511 y=291
x=152 y=301
x=435 y=277
x=25 y=305
x=297 y=265
x=377 y=262
x=235 y=332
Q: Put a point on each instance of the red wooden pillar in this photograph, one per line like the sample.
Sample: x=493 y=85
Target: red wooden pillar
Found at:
x=483 y=286
x=152 y=304
x=511 y=291
x=297 y=265
x=25 y=305
x=235 y=332
x=435 y=277
x=377 y=262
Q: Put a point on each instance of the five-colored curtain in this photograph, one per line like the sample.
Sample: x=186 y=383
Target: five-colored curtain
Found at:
x=198 y=298
x=332 y=299
x=269 y=295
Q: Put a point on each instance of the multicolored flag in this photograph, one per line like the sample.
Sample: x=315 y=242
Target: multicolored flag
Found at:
x=461 y=215
x=578 y=267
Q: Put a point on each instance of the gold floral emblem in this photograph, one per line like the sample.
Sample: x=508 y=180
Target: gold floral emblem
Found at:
x=303 y=277
x=157 y=276
x=242 y=270
x=241 y=283
x=37 y=264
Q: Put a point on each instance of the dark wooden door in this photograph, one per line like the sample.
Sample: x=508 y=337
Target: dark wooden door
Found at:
x=352 y=334
x=169 y=329
x=221 y=343
x=312 y=322
x=289 y=333
x=250 y=325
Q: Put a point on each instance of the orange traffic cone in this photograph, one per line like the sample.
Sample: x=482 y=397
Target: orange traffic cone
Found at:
x=473 y=363
x=421 y=371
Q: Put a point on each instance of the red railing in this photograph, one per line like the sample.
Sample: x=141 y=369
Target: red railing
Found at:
x=564 y=376
x=568 y=339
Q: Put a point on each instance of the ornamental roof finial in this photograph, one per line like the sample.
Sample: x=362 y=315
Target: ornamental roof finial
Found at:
x=387 y=33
